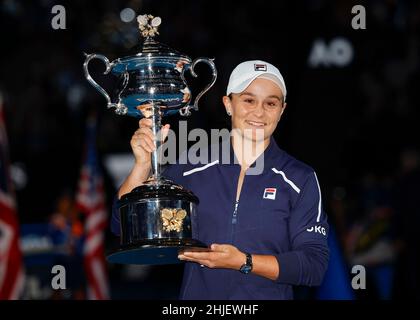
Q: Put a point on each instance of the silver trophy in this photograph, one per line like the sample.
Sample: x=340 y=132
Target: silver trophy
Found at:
x=159 y=216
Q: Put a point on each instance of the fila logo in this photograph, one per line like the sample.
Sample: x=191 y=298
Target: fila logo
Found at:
x=260 y=67
x=270 y=193
x=317 y=229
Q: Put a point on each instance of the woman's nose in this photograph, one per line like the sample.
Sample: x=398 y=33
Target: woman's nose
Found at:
x=259 y=109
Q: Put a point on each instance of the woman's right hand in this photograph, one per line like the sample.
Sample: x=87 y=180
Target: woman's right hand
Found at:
x=142 y=142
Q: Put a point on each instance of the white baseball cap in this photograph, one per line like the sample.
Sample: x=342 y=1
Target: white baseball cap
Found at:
x=246 y=72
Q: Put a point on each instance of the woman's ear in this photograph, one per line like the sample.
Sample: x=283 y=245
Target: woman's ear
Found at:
x=228 y=105
x=282 y=110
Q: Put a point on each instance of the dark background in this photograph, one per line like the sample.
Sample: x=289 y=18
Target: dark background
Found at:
x=356 y=124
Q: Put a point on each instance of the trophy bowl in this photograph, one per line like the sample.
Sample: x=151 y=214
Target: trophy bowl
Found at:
x=158 y=218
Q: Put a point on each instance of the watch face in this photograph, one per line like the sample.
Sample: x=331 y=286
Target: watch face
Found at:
x=245 y=269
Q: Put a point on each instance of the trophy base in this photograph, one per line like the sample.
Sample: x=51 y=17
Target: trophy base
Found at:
x=155 y=252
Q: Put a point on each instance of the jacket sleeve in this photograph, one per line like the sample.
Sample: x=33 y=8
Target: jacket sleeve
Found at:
x=307 y=261
x=172 y=172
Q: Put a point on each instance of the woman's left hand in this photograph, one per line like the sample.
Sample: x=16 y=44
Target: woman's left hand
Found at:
x=221 y=256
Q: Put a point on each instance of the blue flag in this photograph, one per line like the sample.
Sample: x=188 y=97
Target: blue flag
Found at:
x=337 y=280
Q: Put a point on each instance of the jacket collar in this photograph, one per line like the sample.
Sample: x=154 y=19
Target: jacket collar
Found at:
x=270 y=156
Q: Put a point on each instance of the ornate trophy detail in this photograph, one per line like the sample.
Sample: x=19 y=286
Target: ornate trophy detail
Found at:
x=157 y=217
x=172 y=219
x=148 y=25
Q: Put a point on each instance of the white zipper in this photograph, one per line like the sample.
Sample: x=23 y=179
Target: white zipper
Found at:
x=235 y=212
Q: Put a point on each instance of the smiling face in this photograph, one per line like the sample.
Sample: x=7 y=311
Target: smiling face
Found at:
x=256 y=110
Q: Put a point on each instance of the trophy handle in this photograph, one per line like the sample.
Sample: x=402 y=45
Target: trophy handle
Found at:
x=186 y=110
x=119 y=107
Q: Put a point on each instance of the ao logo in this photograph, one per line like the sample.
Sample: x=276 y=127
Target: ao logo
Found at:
x=338 y=53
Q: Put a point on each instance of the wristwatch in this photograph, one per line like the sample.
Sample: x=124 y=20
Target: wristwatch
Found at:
x=247 y=267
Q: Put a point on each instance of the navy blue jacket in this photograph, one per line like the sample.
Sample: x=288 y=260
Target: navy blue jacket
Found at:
x=279 y=213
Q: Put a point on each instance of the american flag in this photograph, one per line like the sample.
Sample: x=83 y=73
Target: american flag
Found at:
x=90 y=200
x=11 y=264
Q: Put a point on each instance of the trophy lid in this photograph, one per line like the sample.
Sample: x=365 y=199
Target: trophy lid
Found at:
x=167 y=190
x=151 y=48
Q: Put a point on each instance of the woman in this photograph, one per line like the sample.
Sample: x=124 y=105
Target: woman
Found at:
x=261 y=215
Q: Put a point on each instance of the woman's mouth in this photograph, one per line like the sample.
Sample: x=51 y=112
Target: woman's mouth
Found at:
x=257 y=124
